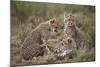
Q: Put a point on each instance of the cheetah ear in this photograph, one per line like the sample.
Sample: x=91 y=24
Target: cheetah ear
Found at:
x=52 y=20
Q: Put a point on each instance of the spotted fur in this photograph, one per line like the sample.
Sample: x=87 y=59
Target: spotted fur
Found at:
x=31 y=46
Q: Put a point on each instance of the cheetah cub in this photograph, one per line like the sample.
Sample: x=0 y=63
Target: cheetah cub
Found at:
x=72 y=30
x=32 y=45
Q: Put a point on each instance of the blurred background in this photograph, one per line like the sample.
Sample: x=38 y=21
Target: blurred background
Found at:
x=25 y=16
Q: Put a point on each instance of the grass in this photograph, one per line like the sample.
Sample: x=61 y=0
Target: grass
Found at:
x=54 y=40
x=85 y=21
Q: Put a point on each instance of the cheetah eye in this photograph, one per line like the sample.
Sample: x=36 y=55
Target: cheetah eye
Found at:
x=69 y=41
x=69 y=19
x=52 y=21
x=62 y=44
x=56 y=27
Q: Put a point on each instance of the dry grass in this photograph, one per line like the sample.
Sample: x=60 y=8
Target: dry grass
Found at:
x=19 y=31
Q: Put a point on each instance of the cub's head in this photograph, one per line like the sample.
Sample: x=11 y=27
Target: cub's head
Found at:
x=53 y=25
x=68 y=40
x=69 y=20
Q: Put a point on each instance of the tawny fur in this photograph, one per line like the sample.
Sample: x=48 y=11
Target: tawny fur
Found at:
x=73 y=31
x=31 y=46
x=66 y=48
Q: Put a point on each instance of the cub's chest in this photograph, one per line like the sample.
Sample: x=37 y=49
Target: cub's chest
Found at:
x=70 y=31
